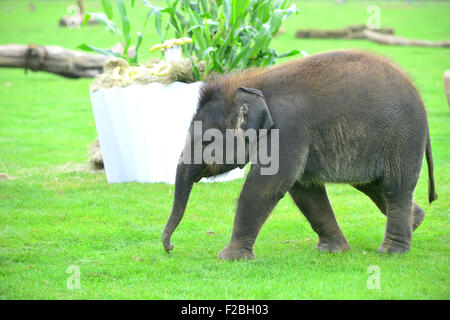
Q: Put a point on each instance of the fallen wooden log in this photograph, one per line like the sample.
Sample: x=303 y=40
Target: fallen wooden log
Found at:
x=75 y=21
x=350 y=32
x=400 y=41
x=52 y=59
x=447 y=86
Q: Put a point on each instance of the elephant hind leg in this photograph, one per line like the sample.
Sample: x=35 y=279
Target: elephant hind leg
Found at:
x=372 y=190
x=399 y=225
x=418 y=215
x=313 y=202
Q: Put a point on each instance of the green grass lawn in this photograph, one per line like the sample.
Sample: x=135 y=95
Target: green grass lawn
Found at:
x=51 y=219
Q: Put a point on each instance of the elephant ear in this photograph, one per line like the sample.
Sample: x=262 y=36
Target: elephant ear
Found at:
x=253 y=110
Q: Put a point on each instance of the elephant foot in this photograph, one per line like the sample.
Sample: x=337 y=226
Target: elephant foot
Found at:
x=235 y=253
x=418 y=217
x=393 y=247
x=333 y=245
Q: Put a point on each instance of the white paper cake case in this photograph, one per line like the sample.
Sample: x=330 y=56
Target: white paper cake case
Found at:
x=142 y=130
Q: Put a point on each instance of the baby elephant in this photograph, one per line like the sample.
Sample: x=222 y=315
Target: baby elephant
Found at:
x=335 y=117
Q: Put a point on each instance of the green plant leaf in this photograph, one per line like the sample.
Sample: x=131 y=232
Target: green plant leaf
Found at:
x=276 y=20
x=110 y=26
x=196 y=72
x=87 y=16
x=107 y=8
x=198 y=26
x=138 y=45
x=207 y=51
x=240 y=6
x=156 y=12
x=291 y=10
x=227 y=12
x=106 y=52
x=125 y=25
x=288 y=54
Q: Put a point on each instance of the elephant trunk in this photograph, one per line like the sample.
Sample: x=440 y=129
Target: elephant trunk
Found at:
x=183 y=186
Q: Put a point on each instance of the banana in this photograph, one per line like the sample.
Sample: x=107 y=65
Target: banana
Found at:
x=170 y=43
x=187 y=39
x=159 y=46
x=159 y=70
x=178 y=41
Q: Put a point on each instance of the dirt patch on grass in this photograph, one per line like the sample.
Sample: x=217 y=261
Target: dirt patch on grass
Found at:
x=5 y=176
x=75 y=167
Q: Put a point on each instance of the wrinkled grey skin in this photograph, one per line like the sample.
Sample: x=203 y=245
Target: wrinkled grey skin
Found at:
x=343 y=117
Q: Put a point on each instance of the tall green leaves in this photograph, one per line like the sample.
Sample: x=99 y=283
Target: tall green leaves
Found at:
x=125 y=24
x=227 y=34
x=107 y=8
x=123 y=34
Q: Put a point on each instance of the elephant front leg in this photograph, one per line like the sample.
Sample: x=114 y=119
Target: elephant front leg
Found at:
x=259 y=196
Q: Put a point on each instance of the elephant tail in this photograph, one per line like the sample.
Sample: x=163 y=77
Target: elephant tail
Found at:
x=431 y=188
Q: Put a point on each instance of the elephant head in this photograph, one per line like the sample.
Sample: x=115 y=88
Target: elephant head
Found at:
x=220 y=118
